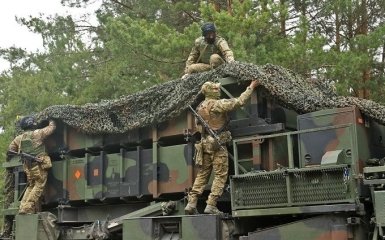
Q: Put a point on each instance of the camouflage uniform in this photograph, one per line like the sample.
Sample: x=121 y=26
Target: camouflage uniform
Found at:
x=31 y=142
x=205 y=56
x=214 y=112
x=9 y=191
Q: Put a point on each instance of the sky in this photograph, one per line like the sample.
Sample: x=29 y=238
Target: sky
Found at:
x=14 y=34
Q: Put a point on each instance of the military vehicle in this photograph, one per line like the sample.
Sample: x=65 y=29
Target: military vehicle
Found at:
x=307 y=165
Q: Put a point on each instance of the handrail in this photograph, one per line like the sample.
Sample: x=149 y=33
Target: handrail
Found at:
x=289 y=141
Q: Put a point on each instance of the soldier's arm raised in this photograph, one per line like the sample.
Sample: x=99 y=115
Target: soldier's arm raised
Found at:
x=48 y=130
x=225 y=105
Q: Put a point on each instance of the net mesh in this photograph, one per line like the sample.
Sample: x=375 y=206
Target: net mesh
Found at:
x=165 y=101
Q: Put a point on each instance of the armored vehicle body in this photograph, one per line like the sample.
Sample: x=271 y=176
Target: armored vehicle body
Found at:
x=299 y=170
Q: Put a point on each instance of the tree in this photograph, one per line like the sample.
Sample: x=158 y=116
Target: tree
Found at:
x=140 y=43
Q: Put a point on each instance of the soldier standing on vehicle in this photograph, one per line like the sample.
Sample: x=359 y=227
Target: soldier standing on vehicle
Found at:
x=213 y=156
x=31 y=142
x=209 y=51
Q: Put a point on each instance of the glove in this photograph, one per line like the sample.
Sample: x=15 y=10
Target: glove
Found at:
x=185 y=76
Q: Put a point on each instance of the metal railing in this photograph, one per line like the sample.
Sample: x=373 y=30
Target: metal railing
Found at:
x=289 y=136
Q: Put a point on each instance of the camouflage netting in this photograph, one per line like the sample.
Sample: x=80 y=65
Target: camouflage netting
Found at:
x=165 y=101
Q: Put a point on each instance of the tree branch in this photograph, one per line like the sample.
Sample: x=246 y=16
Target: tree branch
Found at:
x=122 y=4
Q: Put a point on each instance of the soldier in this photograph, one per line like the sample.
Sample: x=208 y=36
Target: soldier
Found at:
x=209 y=51
x=214 y=112
x=31 y=142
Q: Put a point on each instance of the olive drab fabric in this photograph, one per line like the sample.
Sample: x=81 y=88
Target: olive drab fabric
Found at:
x=215 y=157
x=205 y=56
x=31 y=142
x=27 y=145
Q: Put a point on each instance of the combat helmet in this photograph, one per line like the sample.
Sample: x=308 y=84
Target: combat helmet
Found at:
x=211 y=90
x=27 y=123
x=208 y=27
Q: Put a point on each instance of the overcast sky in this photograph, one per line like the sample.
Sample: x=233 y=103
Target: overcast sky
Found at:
x=13 y=34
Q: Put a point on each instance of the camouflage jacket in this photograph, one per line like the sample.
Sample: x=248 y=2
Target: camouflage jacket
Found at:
x=37 y=136
x=216 y=109
x=202 y=51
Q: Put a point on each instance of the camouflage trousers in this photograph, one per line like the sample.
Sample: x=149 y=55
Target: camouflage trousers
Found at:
x=37 y=178
x=216 y=161
x=9 y=191
x=215 y=61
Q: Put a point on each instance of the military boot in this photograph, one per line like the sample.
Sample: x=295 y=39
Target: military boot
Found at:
x=191 y=208
x=212 y=210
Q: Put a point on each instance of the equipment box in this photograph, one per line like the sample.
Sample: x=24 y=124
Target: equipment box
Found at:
x=340 y=129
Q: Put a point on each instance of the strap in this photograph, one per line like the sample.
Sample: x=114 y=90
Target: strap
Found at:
x=201 y=53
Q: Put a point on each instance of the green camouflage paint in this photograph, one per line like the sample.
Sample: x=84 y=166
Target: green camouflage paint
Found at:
x=94 y=175
x=202 y=227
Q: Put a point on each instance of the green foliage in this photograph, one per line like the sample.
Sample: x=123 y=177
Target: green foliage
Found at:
x=139 y=43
